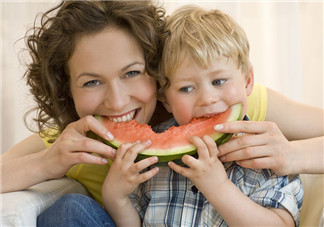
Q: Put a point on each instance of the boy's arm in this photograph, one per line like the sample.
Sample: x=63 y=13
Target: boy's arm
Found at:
x=236 y=208
x=250 y=213
x=122 y=179
x=122 y=212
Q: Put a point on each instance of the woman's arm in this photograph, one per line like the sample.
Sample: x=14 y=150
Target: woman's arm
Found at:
x=296 y=120
x=302 y=125
x=30 y=162
x=21 y=165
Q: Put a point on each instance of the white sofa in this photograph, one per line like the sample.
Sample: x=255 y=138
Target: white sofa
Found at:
x=22 y=208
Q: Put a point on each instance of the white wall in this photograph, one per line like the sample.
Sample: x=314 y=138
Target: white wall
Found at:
x=286 y=40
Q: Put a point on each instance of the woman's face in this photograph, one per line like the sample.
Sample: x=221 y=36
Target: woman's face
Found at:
x=108 y=77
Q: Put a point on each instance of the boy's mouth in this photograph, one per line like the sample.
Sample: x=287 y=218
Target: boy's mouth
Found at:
x=125 y=117
x=210 y=115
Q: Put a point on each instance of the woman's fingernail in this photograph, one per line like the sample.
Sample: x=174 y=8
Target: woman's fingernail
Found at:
x=104 y=160
x=148 y=141
x=222 y=158
x=109 y=136
x=218 y=127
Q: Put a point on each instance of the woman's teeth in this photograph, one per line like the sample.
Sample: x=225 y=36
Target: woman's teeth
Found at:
x=127 y=117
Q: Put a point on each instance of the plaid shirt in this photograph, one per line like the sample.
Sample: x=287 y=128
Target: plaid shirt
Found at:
x=170 y=199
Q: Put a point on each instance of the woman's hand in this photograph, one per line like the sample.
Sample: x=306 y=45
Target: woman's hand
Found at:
x=262 y=146
x=74 y=147
x=30 y=162
x=207 y=172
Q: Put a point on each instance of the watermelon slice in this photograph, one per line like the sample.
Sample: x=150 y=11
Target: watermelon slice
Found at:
x=173 y=143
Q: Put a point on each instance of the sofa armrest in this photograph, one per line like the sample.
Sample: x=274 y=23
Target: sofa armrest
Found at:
x=21 y=208
x=312 y=211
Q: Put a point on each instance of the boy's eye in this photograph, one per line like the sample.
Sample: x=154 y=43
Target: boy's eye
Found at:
x=186 y=89
x=218 y=82
x=132 y=73
x=91 y=83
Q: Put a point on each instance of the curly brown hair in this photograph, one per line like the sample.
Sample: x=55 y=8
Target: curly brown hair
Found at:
x=52 y=43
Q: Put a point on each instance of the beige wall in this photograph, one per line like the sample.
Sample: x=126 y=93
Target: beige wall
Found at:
x=286 y=41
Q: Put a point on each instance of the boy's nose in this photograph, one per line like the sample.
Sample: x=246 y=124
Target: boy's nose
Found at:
x=208 y=97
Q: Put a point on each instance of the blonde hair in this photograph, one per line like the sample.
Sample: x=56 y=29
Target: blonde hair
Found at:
x=204 y=36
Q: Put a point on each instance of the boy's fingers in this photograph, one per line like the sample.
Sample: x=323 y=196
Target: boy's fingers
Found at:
x=179 y=169
x=137 y=148
x=202 y=149
x=122 y=150
x=211 y=146
x=140 y=165
x=148 y=174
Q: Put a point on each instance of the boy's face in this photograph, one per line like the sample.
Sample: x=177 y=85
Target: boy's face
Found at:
x=195 y=91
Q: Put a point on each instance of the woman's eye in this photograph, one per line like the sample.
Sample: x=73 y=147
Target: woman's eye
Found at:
x=132 y=73
x=186 y=89
x=218 y=82
x=91 y=83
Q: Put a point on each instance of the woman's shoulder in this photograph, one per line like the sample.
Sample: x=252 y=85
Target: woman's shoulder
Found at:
x=257 y=103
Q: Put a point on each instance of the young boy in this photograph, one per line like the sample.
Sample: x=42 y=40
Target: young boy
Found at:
x=206 y=66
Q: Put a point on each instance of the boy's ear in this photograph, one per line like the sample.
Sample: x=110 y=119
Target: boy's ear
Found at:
x=167 y=105
x=249 y=81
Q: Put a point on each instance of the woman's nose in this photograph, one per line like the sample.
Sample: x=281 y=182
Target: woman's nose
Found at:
x=116 y=98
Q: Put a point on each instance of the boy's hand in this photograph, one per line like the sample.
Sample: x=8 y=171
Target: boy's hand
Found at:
x=206 y=172
x=123 y=176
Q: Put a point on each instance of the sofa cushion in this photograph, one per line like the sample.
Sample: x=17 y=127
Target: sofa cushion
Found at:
x=21 y=208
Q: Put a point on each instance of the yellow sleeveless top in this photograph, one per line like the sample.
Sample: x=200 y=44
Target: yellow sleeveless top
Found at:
x=92 y=176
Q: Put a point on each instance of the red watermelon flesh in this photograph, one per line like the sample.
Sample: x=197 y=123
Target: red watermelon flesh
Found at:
x=173 y=143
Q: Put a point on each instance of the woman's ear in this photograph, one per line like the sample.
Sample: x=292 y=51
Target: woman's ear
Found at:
x=249 y=80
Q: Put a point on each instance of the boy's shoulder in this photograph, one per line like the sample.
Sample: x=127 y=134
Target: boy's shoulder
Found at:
x=165 y=125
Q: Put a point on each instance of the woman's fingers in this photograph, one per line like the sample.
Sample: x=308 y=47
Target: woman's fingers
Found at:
x=261 y=163
x=83 y=157
x=246 y=154
x=242 y=142
x=74 y=139
x=89 y=123
x=249 y=127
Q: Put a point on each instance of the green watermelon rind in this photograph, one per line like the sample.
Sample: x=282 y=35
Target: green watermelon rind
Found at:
x=191 y=150
x=176 y=153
